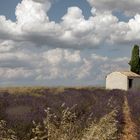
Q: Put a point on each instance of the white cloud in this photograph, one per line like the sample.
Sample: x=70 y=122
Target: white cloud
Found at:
x=99 y=58
x=84 y=70
x=6 y=46
x=123 y=59
x=129 y=7
x=53 y=56
x=134 y=27
x=74 y=31
x=14 y=74
x=33 y=48
x=72 y=57
x=30 y=12
x=7 y=28
x=42 y=66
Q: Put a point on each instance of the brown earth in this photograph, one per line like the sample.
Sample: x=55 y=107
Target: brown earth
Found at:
x=130 y=128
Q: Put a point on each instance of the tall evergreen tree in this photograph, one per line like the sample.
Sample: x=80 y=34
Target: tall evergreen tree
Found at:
x=135 y=60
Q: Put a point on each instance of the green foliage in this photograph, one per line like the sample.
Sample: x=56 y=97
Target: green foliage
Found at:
x=135 y=60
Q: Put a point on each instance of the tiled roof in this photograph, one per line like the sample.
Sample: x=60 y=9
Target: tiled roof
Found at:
x=130 y=74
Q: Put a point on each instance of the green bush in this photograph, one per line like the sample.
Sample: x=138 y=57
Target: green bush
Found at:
x=135 y=60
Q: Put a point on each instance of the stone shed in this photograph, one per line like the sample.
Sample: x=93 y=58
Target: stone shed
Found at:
x=124 y=80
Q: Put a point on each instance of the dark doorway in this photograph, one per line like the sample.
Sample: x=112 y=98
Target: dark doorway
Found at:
x=130 y=81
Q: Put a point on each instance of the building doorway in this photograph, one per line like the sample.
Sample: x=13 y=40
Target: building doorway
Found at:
x=130 y=83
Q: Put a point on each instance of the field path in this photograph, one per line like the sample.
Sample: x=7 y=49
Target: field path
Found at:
x=130 y=129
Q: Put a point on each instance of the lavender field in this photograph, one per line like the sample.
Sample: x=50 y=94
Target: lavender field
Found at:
x=67 y=113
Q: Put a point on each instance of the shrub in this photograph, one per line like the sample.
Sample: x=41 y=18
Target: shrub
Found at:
x=135 y=60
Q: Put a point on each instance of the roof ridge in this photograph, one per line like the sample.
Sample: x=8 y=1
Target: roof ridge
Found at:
x=129 y=73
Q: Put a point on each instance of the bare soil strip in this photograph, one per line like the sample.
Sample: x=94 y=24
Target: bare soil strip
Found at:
x=130 y=128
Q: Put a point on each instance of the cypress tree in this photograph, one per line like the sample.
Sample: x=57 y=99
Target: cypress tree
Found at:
x=135 y=60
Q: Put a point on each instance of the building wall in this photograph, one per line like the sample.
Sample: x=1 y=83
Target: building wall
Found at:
x=136 y=83
x=116 y=80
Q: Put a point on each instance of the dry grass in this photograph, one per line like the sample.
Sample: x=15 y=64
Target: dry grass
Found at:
x=130 y=128
x=6 y=133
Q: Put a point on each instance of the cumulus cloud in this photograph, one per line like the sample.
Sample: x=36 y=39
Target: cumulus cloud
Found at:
x=127 y=6
x=31 y=11
x=36 y=49
x=7 y=28
x=6 y=46
x=84 y=70
x=55 y=65
x=72 y=57
x=73 y=31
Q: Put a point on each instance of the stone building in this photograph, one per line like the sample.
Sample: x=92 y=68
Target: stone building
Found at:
x=124 y=80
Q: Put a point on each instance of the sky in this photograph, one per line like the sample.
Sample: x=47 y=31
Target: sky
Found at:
x=66 y=42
